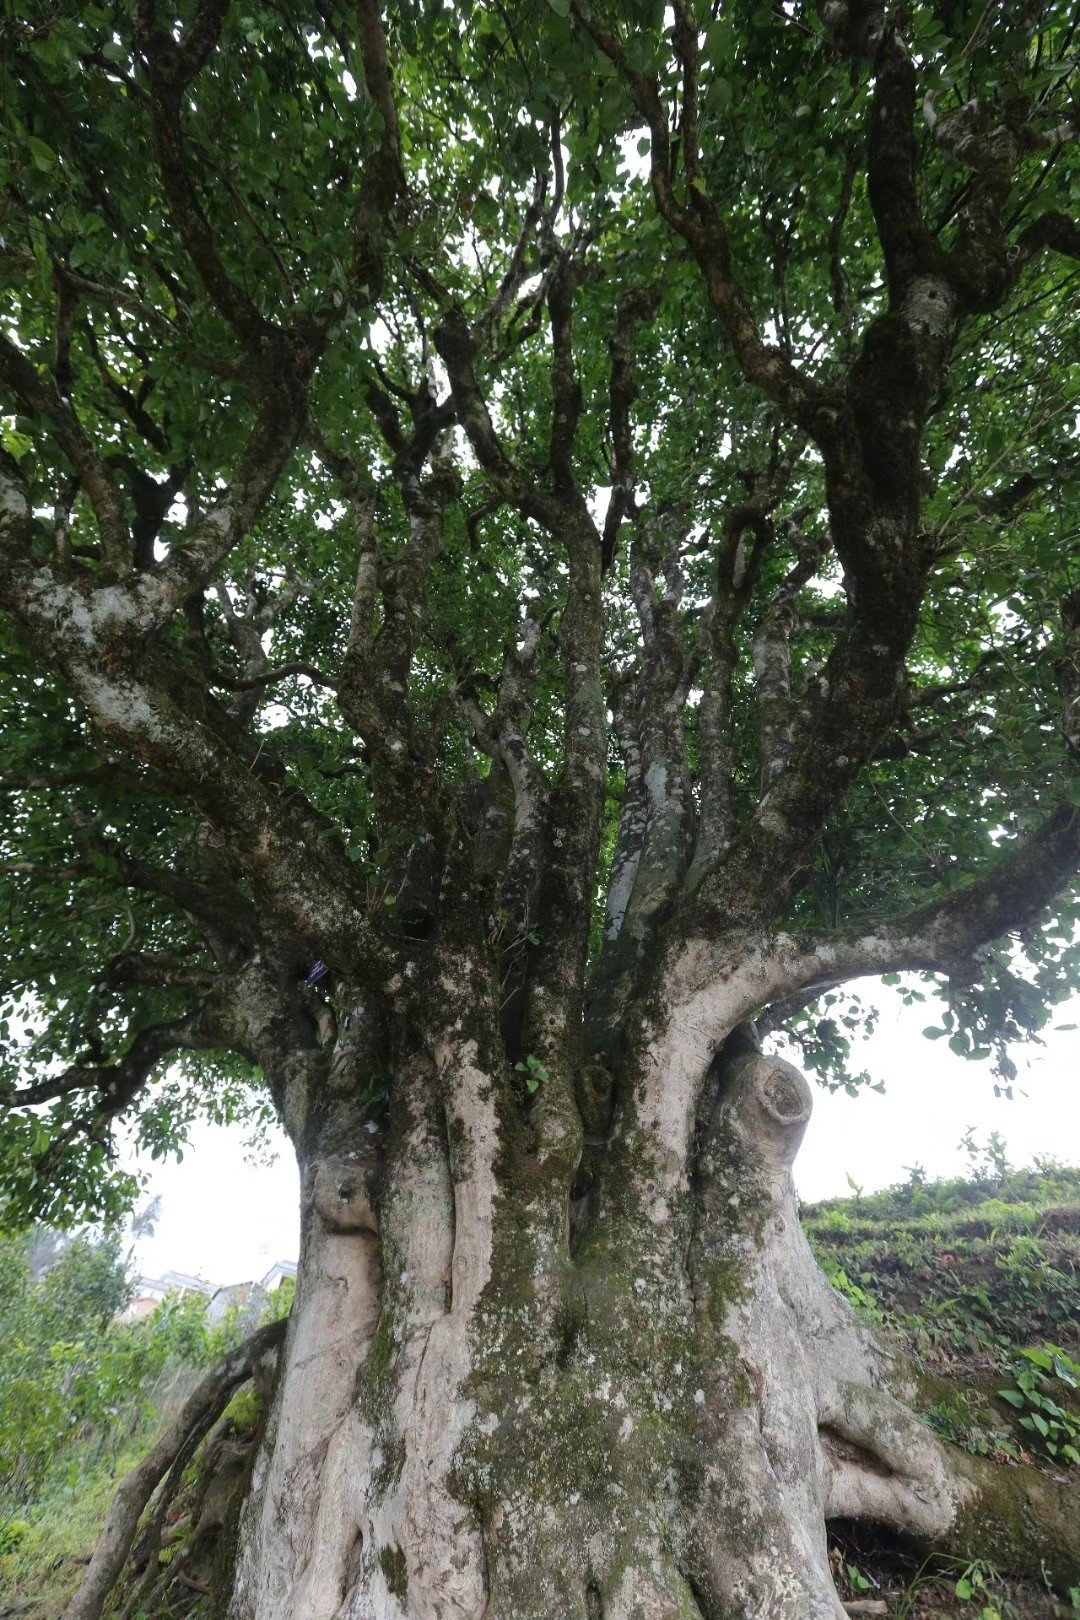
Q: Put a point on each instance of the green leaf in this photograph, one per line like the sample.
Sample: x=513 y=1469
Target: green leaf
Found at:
x=41 y=155
x=721 y=95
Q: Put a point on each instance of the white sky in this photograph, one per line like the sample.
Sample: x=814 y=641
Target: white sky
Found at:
x=228 y=1220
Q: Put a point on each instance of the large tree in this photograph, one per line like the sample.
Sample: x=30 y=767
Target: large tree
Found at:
x=536 y=542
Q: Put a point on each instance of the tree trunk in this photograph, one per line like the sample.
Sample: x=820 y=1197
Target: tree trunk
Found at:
x=488 y=1410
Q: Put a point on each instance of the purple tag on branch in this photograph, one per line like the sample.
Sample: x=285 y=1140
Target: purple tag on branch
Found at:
x=319 y=972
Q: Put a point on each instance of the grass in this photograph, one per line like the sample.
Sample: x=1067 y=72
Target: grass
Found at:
x=970 y=1274
x=48 y=1562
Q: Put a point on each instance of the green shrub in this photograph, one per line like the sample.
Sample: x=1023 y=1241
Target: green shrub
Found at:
x=1041 y=1378
x=71 y=1374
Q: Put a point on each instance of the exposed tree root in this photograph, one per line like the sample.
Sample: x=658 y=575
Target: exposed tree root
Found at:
x=1025 y=1521
x=199 y=1412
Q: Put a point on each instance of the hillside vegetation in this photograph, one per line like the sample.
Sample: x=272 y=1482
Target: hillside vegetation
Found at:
x=980 y=1279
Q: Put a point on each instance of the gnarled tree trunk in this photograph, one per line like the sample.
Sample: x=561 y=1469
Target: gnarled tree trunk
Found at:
x=505 y=1397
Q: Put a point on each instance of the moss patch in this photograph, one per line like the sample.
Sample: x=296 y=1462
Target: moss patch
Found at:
x=392 y=1564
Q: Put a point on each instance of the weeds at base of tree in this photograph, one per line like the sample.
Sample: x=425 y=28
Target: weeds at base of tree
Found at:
x=41 y=1572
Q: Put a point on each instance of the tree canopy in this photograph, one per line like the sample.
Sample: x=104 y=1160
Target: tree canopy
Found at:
x=606 y=471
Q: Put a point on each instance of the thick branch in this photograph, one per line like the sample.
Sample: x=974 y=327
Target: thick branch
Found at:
x=115 y=1085
x=1052 y=230
x=566 y=389
x=122 y=298
x=632 y=816
x=195 y=559
x=457 y=350
x=738 y=567
x=377 y=77
x=304 y=879
x=172 y=66
x=510 y=724
x=892 y=165
x=945 y=935
x=777 y=717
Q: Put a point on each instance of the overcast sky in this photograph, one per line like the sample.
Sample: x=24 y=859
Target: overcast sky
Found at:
x=228 y=1220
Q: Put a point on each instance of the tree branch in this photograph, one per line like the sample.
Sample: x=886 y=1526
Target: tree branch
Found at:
x=944 y=936
x=195 y=559
x=566 y=389
x=39 y=398
x=637 y=305
x=1051 y=230
x=116 y=1084
x=701 y=227
x=772 y=668
x=908 y=246
x=171 y=66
